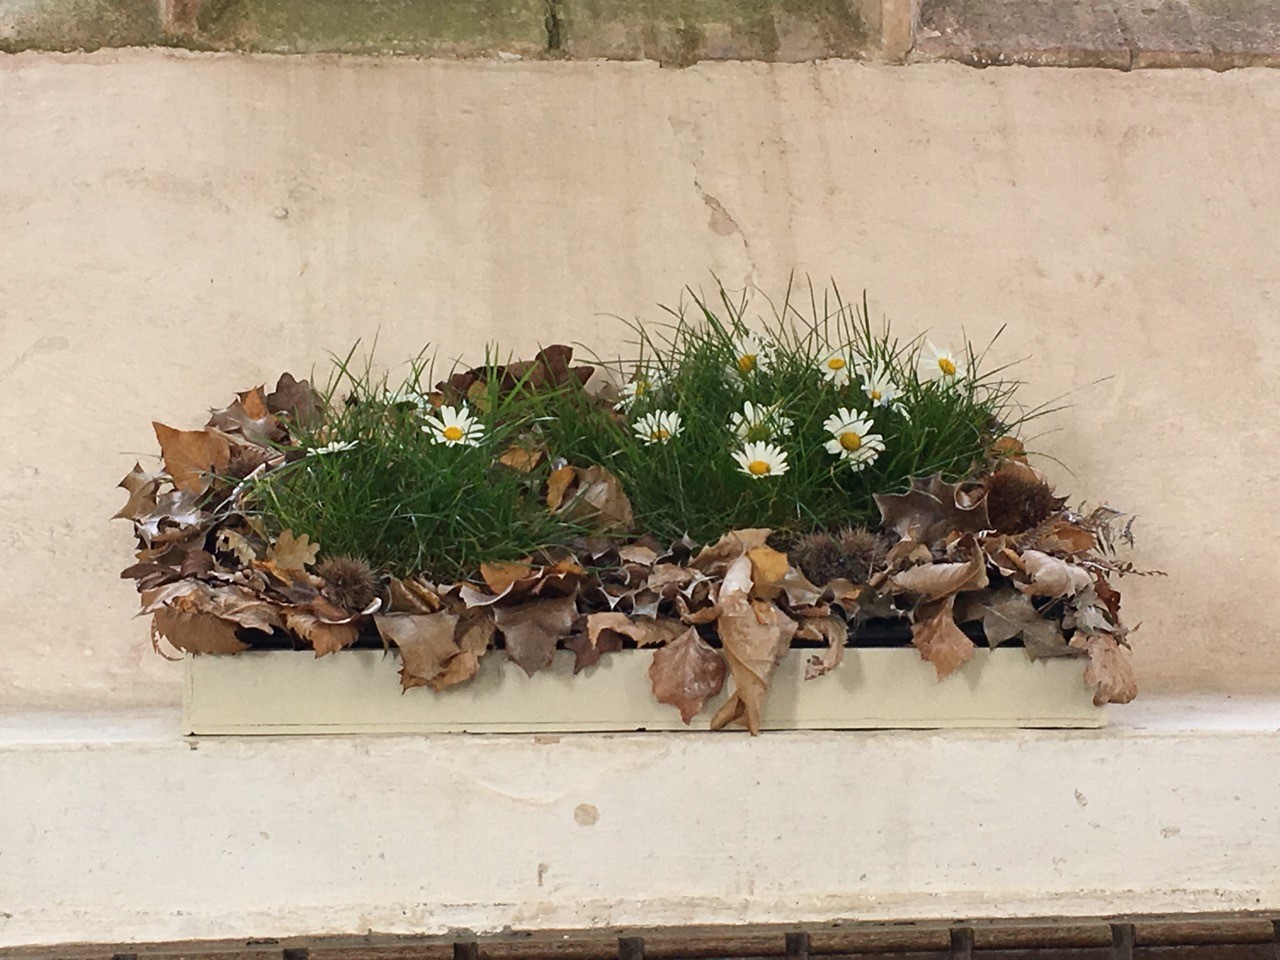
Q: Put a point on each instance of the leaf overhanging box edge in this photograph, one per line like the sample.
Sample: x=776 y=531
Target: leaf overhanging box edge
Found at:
x=358 y=691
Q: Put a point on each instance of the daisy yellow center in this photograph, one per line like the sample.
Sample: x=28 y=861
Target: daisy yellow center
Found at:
x=758 y=468
x=835 y=363
x=642 y=387
x=947 y=366
x=875 y=394
x=746 y=363
x=660 y=434
x=850 y=440
x=453 y=433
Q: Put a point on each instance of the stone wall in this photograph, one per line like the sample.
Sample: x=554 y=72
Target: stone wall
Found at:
x=175 y=227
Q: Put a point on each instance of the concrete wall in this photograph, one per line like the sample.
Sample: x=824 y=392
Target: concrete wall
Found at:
x=175 y=227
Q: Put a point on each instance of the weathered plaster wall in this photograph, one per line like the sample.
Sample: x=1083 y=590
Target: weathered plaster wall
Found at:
x=176 y=227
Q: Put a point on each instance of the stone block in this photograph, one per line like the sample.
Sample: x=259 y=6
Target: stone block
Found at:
x=1067 y=33
x=78 y=24
x=680 y=32
x=1218 y=34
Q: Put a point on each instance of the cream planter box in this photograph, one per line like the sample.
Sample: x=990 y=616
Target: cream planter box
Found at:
x=358 y=691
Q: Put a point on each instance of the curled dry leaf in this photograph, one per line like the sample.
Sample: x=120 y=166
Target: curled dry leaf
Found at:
x=142 y=487
x=933 y=581
x=249 y=416
x=717 y=558
x=1108 y=667
x=195 y=632
x=191 y=457
x=939 y=640
x=686 y=672
x=413 y=595
x=327 y=627
x=1065 y=537
x=599 y=503
x=930 y=510
x=500 y=576
x=532 y=629
x=1052 y=576
x=835 y=631
x=643 y=632
x=755 y=635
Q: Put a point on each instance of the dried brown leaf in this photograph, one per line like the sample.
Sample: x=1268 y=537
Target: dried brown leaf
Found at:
x=142 y=487
x=755 y=635
x=192 y=456
x=600 y=502
x=768 y=568
x=1108 y=667
x=686 y=672
x=297 y=400
x=717 y=558
x=1052 y=576
x=312 y=624
x=425 y=641
x=195 y=632
x=558 y=485
x=930 y=510
x=933 y=581
x=532 y=629
x=293 y=553
x=413 y=596
x=939 y=640
x=835 y=631
x=588 y=650
x=500 y=576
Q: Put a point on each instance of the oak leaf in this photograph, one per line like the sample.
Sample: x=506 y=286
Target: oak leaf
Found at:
x=686 y=672
x=1108 y=668
x=191 y=457
x=754 y=635
x=939 y=640
x=293 y=553
x=532 y=629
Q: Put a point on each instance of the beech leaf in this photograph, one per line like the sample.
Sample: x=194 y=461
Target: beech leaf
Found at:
x=939 y=640
x=686 y=672
x=531 y=630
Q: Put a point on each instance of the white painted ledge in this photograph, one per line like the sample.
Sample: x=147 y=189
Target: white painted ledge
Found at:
x=115 y=828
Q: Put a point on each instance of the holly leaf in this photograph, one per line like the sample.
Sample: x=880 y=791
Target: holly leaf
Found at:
x=1108 y=668
x=686 y=672
x=293 y=553
x=191 y=457
x=531 y=630
x=755 y=635
x=939 y=640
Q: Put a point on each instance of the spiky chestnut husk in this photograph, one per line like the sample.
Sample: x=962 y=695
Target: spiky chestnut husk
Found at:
x=819 y=558
x=1017 y=502
x=349 y=582
x=863 y=551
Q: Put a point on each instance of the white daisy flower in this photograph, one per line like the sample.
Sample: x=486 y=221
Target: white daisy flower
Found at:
x=750 y=355
x=939 y=363
x=758 y=422
x=880 y=388
x=641 y=386
x=658 y=427
x=838 y=368
x=758 y=460
x=454 y=426
x=396 y=398
x=852 y=439
x=335 y=446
